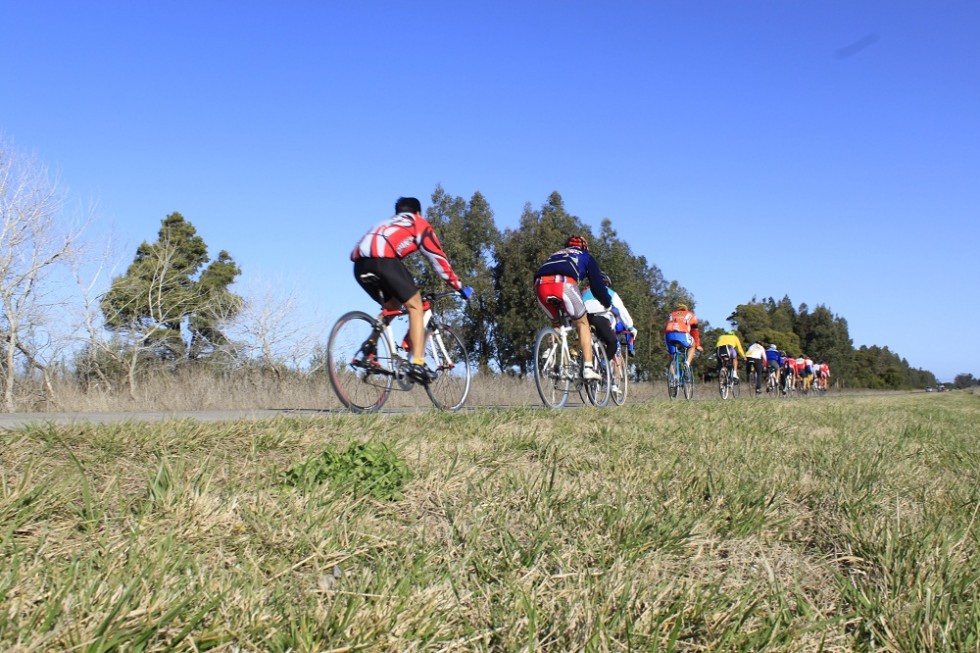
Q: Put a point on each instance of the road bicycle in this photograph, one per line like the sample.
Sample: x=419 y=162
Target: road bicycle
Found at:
x=558 y=368
x=772 y=382
x=365 y=364
x=620 y=367
x=751 y=376
x=679 y=374
x=789 y=382
x=728 y=381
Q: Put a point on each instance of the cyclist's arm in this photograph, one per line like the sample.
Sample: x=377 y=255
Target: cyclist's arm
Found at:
x=624 y=315
x=430 y=246
x=599 y=290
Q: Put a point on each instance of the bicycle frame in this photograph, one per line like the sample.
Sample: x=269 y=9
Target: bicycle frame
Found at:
x=557 y=369
x=364 y=359
x=679 y=374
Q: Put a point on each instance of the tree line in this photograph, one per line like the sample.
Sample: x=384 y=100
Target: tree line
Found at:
x=501 y=323
x=176 y=306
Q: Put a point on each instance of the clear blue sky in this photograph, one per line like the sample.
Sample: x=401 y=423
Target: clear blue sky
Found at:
x=842 y=137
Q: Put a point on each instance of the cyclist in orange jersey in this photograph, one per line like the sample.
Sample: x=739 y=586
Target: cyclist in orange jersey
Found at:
x=682 y=330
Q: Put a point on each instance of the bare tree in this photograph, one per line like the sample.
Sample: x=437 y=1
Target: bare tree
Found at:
x=271 y=330
x=33 y=243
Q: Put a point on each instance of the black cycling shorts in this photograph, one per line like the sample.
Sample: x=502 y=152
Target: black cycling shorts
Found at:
x=384 y=279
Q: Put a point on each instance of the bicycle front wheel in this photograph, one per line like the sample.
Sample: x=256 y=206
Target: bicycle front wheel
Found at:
x=598 y=391
x=360 y=371
x=446 y=355
x=550 y=377
x=620 y=378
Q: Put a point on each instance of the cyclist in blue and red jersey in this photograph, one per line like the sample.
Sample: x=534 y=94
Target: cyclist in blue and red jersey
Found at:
x=775 y=362
x=558 y=278
x=379 y=270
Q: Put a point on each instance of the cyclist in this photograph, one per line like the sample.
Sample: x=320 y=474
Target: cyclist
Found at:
x=824 y=375
x=558 y=278
x=774 y=361
x=809 y=373
x=755 y=359
x=802 y=374
x=609 y=322
x=379 y=270
x=729 y=348
x=789 y=372
x=681 y=330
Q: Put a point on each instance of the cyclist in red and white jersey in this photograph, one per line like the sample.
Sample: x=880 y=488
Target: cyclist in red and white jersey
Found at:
x=379 y=270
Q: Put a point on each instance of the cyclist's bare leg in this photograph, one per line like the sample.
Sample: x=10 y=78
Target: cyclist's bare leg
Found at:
x=692 y=351
x=585 y=338
x=416 y=327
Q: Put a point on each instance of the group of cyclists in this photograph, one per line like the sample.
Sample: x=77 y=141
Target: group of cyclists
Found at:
x=379 y=270
x=789 y=373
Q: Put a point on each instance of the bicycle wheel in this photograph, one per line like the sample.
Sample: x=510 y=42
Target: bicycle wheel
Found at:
x=735 y=384
x=446 y=355
x=620 y=377
x=362 y=385
x=687 y=377
x=723 y=386
x=598 y=391
x=673 y=377
x=551 y=379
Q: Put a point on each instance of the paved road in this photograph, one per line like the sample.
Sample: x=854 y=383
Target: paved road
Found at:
x=16 y=420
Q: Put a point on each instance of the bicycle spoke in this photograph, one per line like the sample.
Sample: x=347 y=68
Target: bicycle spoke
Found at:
x=598 y=391
x=361 y=379
x=552 y=381
x=447 y=356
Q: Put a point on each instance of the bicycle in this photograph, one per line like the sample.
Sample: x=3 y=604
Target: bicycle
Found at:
x=557 y=368
x=620 y=367
x=789 y=382
x=679 y=374
x=772 y=382
x=364 y=363
x=751 y=376
x=728 y=382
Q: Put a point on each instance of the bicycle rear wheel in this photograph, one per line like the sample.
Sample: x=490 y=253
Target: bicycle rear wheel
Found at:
x=723 y=386
x=598 y=391
x=687 y=376
x=620 y=378
x=361 y=383
x=673 y=377
x=446 y=355
x=551 y=379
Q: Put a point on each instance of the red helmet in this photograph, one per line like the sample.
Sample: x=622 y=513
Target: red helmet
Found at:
x=578 y=242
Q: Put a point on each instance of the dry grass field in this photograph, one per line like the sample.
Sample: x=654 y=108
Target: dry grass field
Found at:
x=844 y=523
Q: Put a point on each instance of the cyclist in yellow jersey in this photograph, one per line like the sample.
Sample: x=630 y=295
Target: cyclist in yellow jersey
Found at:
x=730 y=346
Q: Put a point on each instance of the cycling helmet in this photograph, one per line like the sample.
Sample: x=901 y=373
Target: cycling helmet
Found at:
x=578 y=242
x=605 y=279
x=682 y=306
x=772 y=347
x=730 y=332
